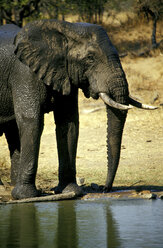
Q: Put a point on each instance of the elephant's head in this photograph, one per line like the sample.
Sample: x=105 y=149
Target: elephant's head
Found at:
x=63 y=54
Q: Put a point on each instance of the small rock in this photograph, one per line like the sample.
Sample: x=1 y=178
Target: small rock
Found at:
x=4 y=191
x=94 y=186
x=153 y=196
x=73 y=187
x=80 y=181
x=147 y=195
x=155 y=97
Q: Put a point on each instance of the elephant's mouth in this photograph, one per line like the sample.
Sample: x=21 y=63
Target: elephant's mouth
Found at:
x=132 y=102
x=89 y=93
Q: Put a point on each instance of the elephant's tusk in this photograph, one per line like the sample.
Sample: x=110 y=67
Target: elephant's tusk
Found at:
x=137 y=104
x=112 y=103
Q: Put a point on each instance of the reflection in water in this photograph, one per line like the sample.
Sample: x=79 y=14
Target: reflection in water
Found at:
x=79 y=224
x=96 y=226
x=64 y=224
x=17 y=224
x=67 y=230
x=113 y=239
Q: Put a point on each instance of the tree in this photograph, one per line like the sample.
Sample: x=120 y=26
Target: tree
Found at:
x=16 y=10
x=152 y=9
x=90 y=10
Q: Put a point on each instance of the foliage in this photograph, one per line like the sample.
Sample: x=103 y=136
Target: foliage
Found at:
x=16 y=10
x=152 y=9
x=117 y=5
x=87 y=10
x=54 y=8
x=90 y=10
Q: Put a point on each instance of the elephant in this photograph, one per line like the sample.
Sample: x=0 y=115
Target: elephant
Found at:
x=42 y=67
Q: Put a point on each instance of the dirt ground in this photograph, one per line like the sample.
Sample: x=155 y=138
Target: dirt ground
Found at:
x=141 y=160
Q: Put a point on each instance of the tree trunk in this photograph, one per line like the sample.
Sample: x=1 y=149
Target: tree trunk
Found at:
x=153 y=37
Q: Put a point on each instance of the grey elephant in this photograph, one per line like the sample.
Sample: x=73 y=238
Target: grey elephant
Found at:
x=42 y=66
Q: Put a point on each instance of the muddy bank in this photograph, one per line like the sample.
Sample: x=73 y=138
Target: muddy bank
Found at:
x=89 y=193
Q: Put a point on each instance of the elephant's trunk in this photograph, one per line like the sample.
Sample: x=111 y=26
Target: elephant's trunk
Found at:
x=115 y=123
x=116 y=116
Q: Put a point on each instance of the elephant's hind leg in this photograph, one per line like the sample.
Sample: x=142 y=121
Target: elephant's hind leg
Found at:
x=12 y=136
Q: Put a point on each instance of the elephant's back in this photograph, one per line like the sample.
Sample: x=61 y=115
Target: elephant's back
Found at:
x=7 y=36
x=8 y=33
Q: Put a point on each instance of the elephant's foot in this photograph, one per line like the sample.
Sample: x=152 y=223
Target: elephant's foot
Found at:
x=25 y=191
x=107 y=189
x=71 y=187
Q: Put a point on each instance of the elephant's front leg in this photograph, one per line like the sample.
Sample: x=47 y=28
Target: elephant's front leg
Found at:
x=30 y=133
x=67 y=129
x=26 y=100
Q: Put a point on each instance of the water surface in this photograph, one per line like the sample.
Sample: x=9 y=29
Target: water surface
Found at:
x=83 y=224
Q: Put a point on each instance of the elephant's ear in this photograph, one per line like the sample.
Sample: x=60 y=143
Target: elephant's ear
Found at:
x=43 y=48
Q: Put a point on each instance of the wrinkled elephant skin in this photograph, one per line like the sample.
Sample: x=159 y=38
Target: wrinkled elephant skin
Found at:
x=41 y=68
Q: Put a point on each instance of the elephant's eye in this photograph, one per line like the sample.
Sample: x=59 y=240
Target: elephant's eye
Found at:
x=90 y=59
